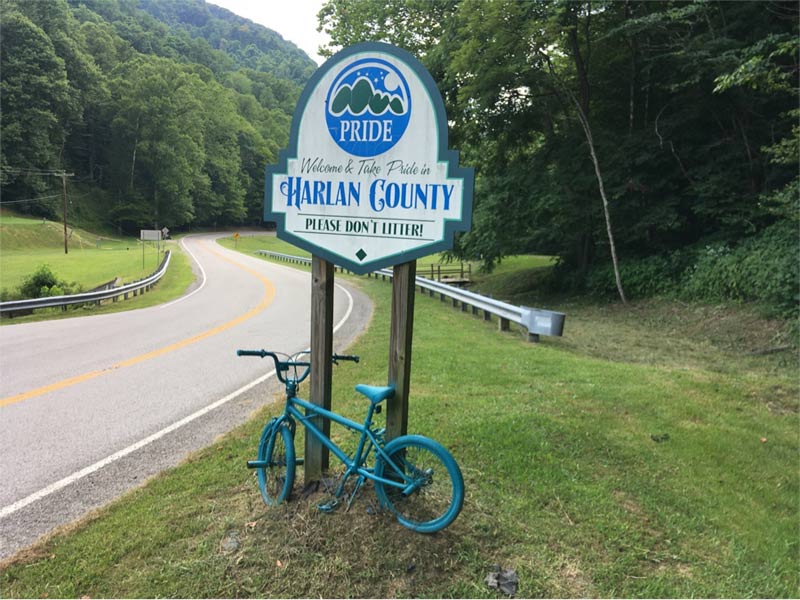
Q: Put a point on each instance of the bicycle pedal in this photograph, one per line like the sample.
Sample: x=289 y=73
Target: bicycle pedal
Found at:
x=328 y=506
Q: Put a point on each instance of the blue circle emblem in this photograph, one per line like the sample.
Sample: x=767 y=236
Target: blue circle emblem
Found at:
x=368 y=107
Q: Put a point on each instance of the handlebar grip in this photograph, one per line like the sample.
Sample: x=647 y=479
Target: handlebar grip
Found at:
x=260 y=353
x=351 y=357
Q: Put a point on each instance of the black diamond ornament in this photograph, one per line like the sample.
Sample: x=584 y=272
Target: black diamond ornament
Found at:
x=361 y=255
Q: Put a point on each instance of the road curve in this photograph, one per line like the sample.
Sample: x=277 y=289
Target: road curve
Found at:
x=92 y=406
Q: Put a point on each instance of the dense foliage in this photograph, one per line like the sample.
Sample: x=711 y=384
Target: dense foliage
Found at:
x=662 y=134
x=44 y=283
x=167 y=111
x=689 y=107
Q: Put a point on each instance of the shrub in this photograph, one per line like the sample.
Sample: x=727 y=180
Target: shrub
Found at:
x=763 y=269
x=41 y=279
x=43 y=283
x=641 y=278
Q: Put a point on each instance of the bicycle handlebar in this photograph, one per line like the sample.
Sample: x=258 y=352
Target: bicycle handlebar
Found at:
x=282 y=366
x=337 y=357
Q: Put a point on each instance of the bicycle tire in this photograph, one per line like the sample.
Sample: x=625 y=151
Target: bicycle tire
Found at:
x=438 y=500
x=276 y=449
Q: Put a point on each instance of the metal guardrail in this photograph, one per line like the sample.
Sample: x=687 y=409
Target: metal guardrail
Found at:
x=134 y=288
x=536 y=321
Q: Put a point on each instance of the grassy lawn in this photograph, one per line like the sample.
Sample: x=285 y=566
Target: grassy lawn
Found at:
x=25 y=244
x=622 y=468
x=249 y=244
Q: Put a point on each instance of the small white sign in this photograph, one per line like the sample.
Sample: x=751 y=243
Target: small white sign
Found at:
x=150 y=235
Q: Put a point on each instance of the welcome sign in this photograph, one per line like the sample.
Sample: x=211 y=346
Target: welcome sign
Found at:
x=368 y=180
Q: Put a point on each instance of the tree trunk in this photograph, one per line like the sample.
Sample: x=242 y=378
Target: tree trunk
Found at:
x=587 y=130
x=581 y=70
x=133 y=159
x=590 y=140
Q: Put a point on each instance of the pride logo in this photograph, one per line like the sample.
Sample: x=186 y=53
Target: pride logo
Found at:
x=368 y=107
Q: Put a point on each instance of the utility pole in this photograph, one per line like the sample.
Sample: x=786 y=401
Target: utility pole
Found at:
x=64 y=176
x=64 y=189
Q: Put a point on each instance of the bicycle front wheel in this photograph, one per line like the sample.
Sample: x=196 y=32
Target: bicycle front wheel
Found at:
x=432 y=492
x=276 y=451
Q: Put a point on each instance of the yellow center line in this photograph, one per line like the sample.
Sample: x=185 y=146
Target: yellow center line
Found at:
x=266 y=300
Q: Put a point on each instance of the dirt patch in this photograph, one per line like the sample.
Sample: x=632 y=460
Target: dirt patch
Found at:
x=574 y=581
x=780 y=400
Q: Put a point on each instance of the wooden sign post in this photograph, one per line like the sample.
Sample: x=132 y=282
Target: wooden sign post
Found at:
x=400 y=338
x=316 y=455
x=367 y=182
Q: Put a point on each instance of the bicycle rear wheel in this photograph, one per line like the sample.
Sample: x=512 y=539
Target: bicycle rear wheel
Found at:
x=434 y=490
x=276 y=450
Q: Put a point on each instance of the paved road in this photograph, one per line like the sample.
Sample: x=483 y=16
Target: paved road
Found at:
x=92 y=406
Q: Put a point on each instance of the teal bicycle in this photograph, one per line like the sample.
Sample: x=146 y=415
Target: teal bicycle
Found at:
x=414 y=477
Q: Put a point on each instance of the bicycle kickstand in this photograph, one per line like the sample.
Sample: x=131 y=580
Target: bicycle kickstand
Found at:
x=356 y=487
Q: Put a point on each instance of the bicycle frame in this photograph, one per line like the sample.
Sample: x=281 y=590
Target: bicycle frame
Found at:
x=354 y=465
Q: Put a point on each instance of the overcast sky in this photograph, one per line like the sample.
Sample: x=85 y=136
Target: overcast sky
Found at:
x=295 y=20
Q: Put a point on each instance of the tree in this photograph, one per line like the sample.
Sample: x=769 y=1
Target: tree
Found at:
x=220 y=196
x=34 y=102
x=676 y=164
x=160 y=146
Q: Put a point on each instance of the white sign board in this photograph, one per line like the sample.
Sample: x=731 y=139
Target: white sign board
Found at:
x=368 y=180
x=150 y=235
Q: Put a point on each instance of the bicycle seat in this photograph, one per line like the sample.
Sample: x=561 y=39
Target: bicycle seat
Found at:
x=376 y=394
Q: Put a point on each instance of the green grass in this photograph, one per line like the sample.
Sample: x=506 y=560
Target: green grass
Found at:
x=566 y=482
x=249 y=244
x=27 y=243
x=92 y=260
x=515 y=265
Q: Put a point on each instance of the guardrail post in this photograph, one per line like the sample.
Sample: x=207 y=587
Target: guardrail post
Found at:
x=503 y=324
x=316 y=455
x=400 y=338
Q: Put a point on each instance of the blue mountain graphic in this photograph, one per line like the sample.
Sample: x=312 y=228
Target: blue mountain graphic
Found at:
x=362 y=96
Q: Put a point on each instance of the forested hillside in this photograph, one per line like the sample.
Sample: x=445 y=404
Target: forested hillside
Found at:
x=165 y=113
x=668 y=128
x=651 y=146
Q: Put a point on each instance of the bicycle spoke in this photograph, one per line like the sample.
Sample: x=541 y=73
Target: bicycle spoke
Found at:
x=277 y=478
x=433 y=493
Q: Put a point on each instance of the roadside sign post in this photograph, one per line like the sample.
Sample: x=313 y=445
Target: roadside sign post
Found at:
x=400 y=338
x=367 y=182
x=316 y=455
x=150 y=235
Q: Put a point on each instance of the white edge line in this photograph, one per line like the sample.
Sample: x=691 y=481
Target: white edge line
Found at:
x=62 y=483
x=350 y=304
x=58 y=485
x=193 y=292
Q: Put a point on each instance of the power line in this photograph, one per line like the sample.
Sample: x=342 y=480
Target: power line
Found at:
x=46 y=172
x=29 y=199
